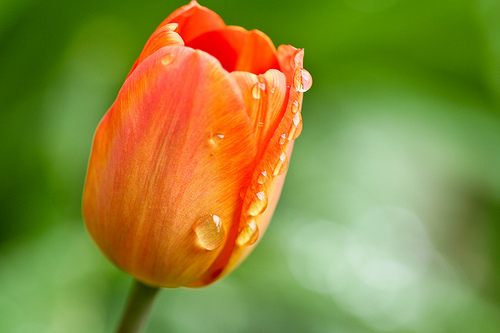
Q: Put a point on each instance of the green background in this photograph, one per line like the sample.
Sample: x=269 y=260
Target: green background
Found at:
x=389 y=219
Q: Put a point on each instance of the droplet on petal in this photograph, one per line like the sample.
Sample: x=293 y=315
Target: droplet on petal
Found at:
x=262 y=177
x=210 y=231
x=302 y=80
x=215 y=140
x=217 y=137
x=296 y=127
x=258 y=204
x=295 y=106
x=248 y=234
x=258 y=90
x=281 y=165
x=282 y=139
x=167 y=59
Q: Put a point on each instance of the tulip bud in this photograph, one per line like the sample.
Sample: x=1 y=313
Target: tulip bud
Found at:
x=188 y=163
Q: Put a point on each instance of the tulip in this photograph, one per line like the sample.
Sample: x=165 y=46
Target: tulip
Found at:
x=188 y=163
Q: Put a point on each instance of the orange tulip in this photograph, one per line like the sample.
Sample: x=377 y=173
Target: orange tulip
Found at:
x=188 y=163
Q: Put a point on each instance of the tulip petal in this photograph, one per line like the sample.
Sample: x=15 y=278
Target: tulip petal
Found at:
x=194 y=20
x=224 y=44
x=177 y=145
x=269 y=174
x=258 y=54
x=238 y=49
x=290 y=59
x=163 y=36
x=265 y=97
x=265 y=113
x=241 y=251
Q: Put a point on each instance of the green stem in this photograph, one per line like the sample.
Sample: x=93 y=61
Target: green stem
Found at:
x=139 y=304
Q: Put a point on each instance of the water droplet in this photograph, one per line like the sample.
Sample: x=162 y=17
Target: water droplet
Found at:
x=218 y=136
x=258 y=90
x=216 y=139
x=249 y=234
x=296 y=128
x=258 y=204
x=262 y=177
x=167 y=59
x=210 y=231
x=302 y=80
x=295 y=106
x=282 y=139
x=281 y=165
x=272 y=90
x=261 y=124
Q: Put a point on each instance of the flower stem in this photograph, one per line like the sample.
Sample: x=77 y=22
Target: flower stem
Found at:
x=139 y=304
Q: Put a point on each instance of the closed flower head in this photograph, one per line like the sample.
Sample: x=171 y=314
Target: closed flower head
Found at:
x=188 y=163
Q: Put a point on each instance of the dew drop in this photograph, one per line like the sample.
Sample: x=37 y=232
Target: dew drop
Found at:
x=282 y=139
x=295 y=106
x=262 y=177
x=272 y=90
x=249 y=234
x=218 y=136
x=296 y=128
x=302 y=80
x=261 y=124
x=210 y=231
x=214 y=142
x=281 y=165
x=216 y=139
x=258 y=204
x=167 y=59
x=258 y=90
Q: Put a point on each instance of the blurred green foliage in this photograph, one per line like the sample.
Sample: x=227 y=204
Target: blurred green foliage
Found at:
x=390 y=217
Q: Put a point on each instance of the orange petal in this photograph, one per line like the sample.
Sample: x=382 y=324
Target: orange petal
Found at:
x=269 y=174
x=163 y=36
x=258 y=54
x=289 y=59
x=265 y=113
x=247 y=239
x=238 y=49
x=194 y=20
x=265 y=97
x=176 y=146
x=224 y=44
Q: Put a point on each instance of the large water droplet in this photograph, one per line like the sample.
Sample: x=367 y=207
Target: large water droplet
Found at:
x=281 y=165
x=210 y=231
x=302 y=80
x=296 y=127
x=262 y=178
x=167 y=59
x=249 y=234
x=258 y=90
x=258 y=204
x=295 y=106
